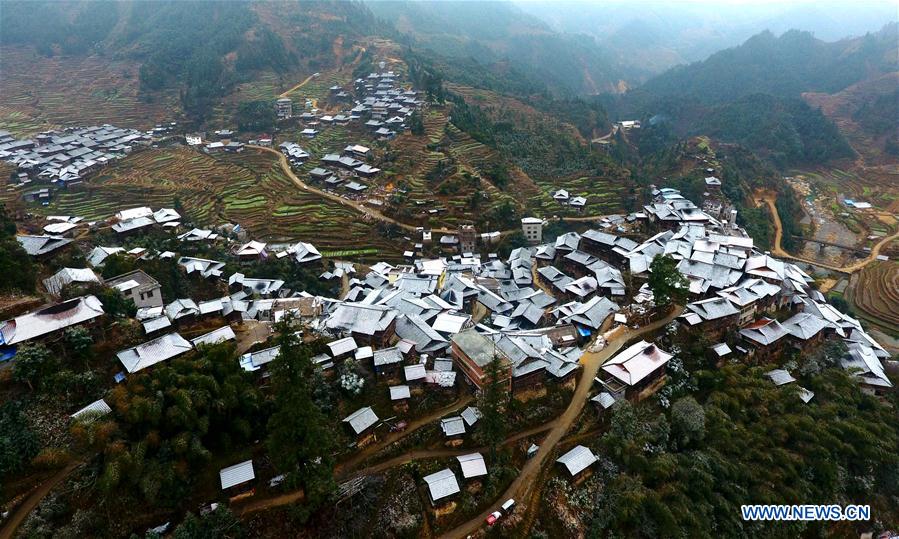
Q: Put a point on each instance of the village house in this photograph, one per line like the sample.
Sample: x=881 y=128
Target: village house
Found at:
x=360 y=422
x=764 y=338
x=47 y=322
x=635 y=372
x=150 y=353
x=69 y=276
x=577 y=461
x=441 y=485
x=234 y=479
x=473 y=352
x=713 y=316
x=139 y=287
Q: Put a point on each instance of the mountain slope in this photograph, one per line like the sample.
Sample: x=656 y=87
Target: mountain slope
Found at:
x=492 y=33
x=752 y=94
x=784 y=66
x=201 y=49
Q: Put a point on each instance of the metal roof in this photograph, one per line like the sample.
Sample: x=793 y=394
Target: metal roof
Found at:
x=152 y=352
x=361 y=419
x=442 y=484
x=452 y=426
x=50 y=319
x=414 y=372
x=222 y=334
x=577 y=459
x=387 y=356
x=342 y=346
x=237 y=474
x=471 y=415
x=473 y=465
x=399 y=393
x=95 y=409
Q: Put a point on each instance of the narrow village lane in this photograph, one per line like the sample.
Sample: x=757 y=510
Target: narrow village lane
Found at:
x=590 y=362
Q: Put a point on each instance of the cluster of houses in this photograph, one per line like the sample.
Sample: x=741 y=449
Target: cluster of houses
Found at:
x=381 y=103
x=66 y=157
x=437 y=323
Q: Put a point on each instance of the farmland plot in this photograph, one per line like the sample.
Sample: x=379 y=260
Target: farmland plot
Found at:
x=248 y=188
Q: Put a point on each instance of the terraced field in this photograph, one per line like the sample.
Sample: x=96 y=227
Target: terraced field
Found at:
x=248 y=188
x=94 y=91
x=874 y=293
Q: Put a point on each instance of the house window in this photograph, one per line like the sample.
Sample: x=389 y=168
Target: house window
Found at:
x=150 y=294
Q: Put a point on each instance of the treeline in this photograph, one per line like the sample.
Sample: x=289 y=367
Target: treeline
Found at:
x=751 y=95
x=787 y=131
x=51 y=29
x=498 y=42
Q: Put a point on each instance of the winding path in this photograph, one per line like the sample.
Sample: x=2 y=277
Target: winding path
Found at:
x=20 y=513
x=372 y=213
x=777 y=249
x=344 y=469
x=297 y=86
x=591 y=361
x=358 y=206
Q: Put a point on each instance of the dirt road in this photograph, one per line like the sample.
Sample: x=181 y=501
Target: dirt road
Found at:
x=372 y=213
x=358 y=206
x=778 y=251
x=297 y=87
x=347 y=466
x=590 y=361
x=21 y=512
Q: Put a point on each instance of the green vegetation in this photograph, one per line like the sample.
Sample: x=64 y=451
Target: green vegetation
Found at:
x=786 y=131
x=255 y=116
x=18 y=444
x=784 y=66
x=742 y=440
x=15 y=265
x=668 y=285
x=300 y=442
x=167 y=422
x=492 y=404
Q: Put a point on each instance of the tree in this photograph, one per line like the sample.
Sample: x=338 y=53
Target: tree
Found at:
x=78 y=339
x=33 y=365
x=15 y=265
x=18 y=444
x=168 y=421
x=300 y=439
x=255 y=116
x=687 y=421
x=416 y=125
x=492 y=405
x=667 y=283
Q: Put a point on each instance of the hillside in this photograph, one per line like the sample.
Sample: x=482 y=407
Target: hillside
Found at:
x=201 y=51
x=499 y=33
x=783 y=66
x=752 y=94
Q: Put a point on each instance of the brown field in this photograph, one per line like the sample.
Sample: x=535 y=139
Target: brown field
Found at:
x=248 y=188
x=874 y=293
x=41 y=93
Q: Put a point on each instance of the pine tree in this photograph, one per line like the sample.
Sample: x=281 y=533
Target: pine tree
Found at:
x=492 y=406
x=300 y=441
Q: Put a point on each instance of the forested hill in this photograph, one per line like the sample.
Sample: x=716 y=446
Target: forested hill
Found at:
x=784 y=66
x=201 y=48
x=752 y=94
x=500 y=34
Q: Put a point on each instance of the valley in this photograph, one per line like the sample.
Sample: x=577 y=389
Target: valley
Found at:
x=446 y=269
